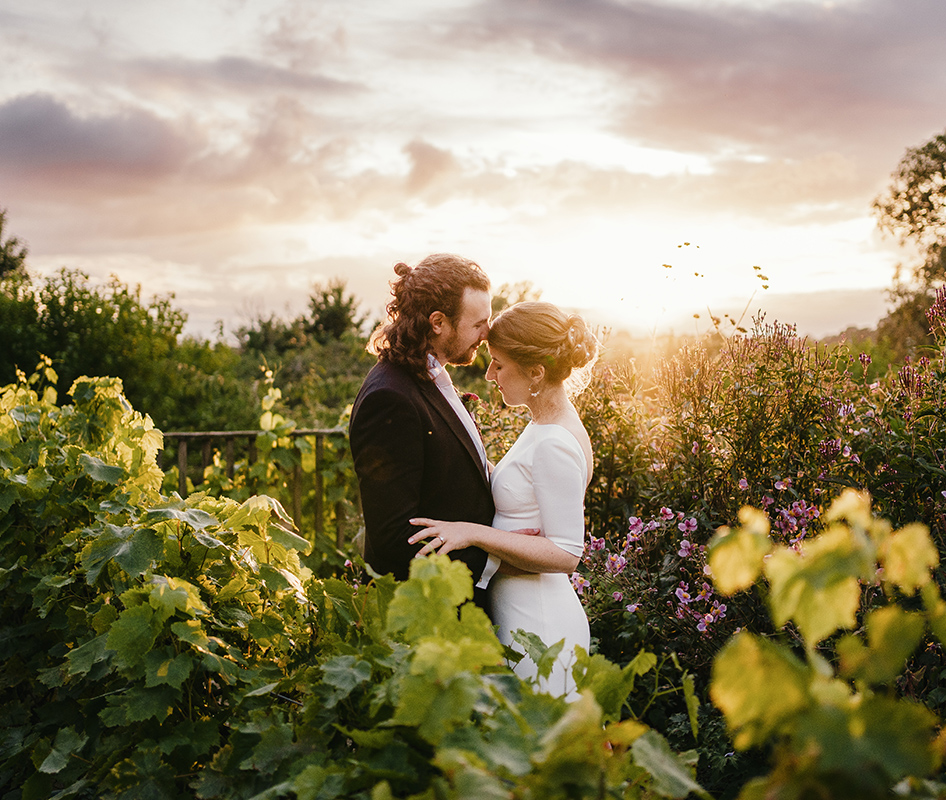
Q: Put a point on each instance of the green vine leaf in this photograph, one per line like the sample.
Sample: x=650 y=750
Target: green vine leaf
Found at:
x=736 y=557
x=134 y=549
x=132 y=635
x=759 y=687
x=671 y=776
x=98 y=470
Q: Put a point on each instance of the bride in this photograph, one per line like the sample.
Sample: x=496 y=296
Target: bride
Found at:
x=538 y=354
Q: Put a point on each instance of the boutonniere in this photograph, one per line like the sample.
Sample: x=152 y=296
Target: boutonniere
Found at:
x=469 y=401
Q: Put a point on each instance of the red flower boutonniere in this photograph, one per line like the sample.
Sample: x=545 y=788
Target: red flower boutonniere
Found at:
x=469 y=401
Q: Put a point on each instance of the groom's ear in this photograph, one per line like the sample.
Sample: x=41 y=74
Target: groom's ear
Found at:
x=436 y=320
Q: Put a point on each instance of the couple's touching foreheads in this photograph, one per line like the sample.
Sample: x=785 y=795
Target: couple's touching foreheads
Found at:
x=426 y=483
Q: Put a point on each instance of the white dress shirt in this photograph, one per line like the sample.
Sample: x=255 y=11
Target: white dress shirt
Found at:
x=441 y=379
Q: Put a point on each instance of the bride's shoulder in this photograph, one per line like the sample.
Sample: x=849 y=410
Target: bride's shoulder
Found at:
x=572 y=434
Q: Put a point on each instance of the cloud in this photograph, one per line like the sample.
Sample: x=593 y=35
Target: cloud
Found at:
x=787 y=79
x=40 y=134
x=238 y=75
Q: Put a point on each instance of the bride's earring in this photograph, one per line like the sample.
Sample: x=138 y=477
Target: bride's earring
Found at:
x=534 y=393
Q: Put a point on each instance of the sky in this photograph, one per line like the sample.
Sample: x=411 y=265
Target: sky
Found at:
x=639 y=161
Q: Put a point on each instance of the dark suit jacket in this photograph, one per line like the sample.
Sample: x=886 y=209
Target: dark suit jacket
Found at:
x=414 y=458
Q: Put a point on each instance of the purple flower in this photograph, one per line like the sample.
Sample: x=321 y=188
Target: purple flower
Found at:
x=597 y=544
x=743 y=484
x=687 y=526
x=615 y=564
x=579 y=582
x=632 y=607
x=784 y=484
x=686 y=549
x=696 y=448
x=617 y=596
x=666 y=514
x=682 y=594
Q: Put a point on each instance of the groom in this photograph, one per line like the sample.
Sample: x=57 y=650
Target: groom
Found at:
x=416 y=449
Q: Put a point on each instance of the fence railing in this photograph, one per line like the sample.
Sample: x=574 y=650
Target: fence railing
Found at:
x=228 y=443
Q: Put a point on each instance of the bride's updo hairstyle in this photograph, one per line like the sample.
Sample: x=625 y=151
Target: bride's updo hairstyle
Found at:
x=536 y=333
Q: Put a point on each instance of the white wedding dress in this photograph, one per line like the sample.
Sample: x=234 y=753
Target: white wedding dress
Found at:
x=540 y=483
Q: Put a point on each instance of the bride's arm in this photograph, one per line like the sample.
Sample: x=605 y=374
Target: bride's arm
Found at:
x=527 y=553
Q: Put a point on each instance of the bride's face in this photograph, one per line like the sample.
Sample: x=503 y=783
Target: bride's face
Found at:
x=512 y=381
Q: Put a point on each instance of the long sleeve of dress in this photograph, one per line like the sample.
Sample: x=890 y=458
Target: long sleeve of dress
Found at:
x=559 y=475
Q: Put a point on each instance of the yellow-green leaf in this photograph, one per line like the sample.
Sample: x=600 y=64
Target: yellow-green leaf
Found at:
x=736 y=556
x=892 y=636
x=758 y=687
x=908 y=556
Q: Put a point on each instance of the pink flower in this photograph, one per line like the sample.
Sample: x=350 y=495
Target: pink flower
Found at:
x=782 y=485
x=635 y=526
x=597 y=544
x=687 y=526
x=666 y=514
x=632 y=607
x=682 y=594
x=617 y=596
x=743 y=484
x=579 y=582
x=615 y=564
x=686 y=549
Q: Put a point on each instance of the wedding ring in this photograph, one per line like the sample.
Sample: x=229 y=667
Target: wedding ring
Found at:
x=442 y=540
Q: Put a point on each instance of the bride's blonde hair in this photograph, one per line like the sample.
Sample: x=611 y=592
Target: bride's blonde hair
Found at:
x=536 y=333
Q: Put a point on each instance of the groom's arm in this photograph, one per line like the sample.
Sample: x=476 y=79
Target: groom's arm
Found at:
x=387 y=449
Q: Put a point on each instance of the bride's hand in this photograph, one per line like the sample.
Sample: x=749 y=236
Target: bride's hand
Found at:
x=444 y=536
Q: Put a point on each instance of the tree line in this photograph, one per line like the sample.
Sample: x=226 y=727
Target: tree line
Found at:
x=319 y=359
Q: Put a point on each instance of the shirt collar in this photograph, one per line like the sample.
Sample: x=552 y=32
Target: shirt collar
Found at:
x=438 y=373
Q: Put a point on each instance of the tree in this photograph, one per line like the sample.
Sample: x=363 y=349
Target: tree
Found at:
x=12 y=252
x=108 y=330
x=332 y=313
x=914 y=208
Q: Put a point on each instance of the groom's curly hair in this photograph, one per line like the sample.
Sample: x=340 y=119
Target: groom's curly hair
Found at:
x=437 y=283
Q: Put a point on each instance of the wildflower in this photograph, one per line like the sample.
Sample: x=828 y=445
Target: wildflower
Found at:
x=632 y=607
x=682 y=593
x=743 y=484
x=597 y=544
x=767 y=501
x=865 y=360
x=615 y=564
x=706 y=592
x=686 y=549
x=783 y=484
x=618 y=596
x=666 y=514
x=705 y=620
x=846 y=410
x=635 y=527
x=579 y=582
x=348 y=563
x=687 y=526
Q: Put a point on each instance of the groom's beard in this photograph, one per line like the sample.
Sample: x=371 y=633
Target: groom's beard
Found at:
x=459 y=356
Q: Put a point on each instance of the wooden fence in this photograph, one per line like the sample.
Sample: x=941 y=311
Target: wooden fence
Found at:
x=230 y=442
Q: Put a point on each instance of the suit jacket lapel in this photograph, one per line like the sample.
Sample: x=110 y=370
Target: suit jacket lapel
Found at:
x=434 y=396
